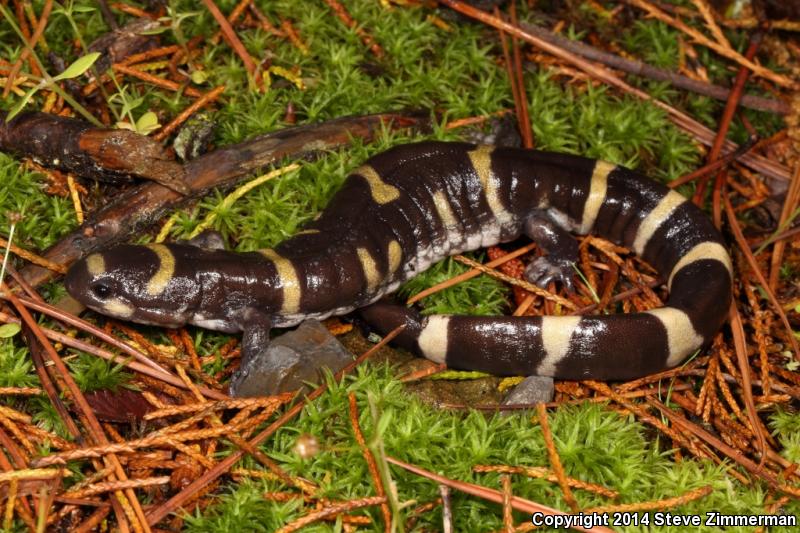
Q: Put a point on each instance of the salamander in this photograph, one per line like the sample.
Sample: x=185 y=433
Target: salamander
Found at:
x=411 y=206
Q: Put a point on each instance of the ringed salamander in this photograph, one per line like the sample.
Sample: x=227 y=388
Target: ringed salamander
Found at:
x=415 y=204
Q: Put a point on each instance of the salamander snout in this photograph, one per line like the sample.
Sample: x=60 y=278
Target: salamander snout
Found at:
x=91 y=282
x=137 y=283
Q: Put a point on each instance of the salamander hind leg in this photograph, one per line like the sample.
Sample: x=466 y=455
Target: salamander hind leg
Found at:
x=561 y=248
x=384 y=316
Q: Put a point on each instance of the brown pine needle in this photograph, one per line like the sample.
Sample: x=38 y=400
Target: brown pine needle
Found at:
x=198 y=104
x=543 y=473
x=332 y=510
x=726 y=449
x=231 y=38
x=76 y=199
x=790 y=204
x=657 y=505
x=428 y=371
x=508 y=518
x=530 y=287
x=371 y=463
x=745 y=249
x=157 y=514
x=555 y=460
x=340 y=11
x=724 y=51
x=470 y=274
x=33 y=258
x=155 y=80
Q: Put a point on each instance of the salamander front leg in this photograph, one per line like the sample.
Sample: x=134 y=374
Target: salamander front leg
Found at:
x=255 y=337
x=255 y=341
x=561 y=248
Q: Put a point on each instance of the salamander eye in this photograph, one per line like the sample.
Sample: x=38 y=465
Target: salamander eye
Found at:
x=101 y=290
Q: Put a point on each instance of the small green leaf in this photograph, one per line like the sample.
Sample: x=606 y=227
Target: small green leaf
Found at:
x=147 y=123
x=21 y=104
x=9 y=330
x=762 y=292
x=198 y=77
x=129 y=104
x=81 y=65
x=82 y=9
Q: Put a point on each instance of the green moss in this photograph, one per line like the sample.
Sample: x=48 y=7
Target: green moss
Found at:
x=92 y=373
x=45 y=218
x=479 y=296
x=452 y=75
x=786 y=427
x=595 y=445
x=653 y=42
x=16 y=367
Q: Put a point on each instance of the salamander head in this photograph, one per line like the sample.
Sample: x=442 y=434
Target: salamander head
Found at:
x=137 y=283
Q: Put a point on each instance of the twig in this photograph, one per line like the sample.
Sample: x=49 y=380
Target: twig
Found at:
x=72 y=320
x=115 y=358
x=525 y=120
x=447 y=509
x=646 y=417
x=150 y=54
x=708 y=16
x=740 y=346
x=707 y=437
x=712 y=166
x=155 y=80
x=681 y=119
x=722 y=132
x=508 y=519
x=639 y=68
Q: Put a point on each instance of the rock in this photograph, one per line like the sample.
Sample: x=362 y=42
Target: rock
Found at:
x=290 y=361
x=533 y=389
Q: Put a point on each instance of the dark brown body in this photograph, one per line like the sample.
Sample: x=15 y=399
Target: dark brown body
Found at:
x=415 y=204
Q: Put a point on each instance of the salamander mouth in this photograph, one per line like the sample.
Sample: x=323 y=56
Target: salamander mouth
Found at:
x=121 y=309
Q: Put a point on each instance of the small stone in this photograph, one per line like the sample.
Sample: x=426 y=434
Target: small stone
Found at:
x=533 y=389
x=291 y=361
